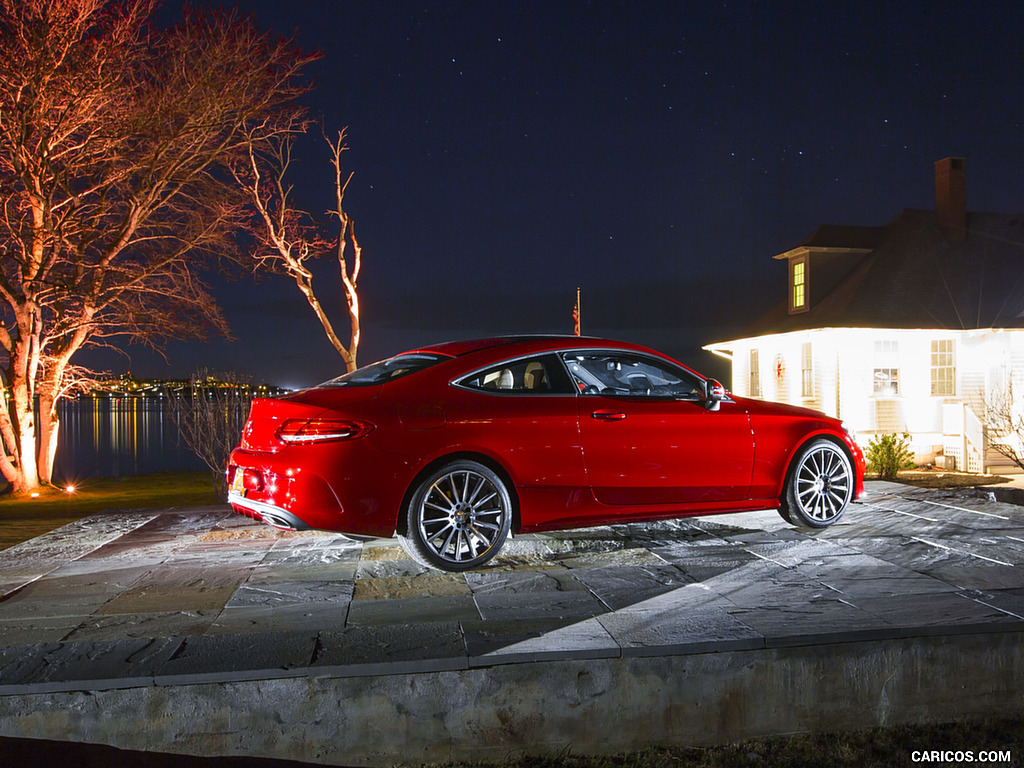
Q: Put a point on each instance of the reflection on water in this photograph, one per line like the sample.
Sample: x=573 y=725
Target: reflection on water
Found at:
x=116 y=436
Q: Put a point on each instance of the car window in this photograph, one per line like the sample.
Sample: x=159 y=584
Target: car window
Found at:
x=386 y=370
x=534 y=375
x=611 y=373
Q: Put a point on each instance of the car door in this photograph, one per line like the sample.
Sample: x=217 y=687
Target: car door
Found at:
x=524 y=412
x=648 y=438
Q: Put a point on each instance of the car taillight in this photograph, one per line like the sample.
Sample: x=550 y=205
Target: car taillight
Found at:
x=322 y=430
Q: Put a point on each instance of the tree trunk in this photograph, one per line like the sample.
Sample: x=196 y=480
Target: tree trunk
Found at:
x=49 y=434
x=29 y=475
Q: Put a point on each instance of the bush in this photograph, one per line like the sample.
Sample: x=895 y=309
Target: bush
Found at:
x=888 y=454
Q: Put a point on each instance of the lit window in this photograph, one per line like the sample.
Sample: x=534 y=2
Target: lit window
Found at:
x=943 y=367
x=887 y=382
x=755 y=375
x=887 y=371
x=799 y=284
x=806 y=371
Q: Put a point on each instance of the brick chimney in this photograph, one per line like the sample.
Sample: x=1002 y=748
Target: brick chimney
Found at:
x=951 y=198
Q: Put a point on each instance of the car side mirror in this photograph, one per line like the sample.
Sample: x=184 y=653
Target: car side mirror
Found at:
x=714 y=394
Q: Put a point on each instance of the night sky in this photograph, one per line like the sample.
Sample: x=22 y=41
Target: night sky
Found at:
x=657 y=154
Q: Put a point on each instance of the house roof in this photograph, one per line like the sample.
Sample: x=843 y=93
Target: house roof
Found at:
x=831 y=236
x=916 y=278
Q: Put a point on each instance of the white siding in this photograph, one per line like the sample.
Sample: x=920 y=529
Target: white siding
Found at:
x=844 y=362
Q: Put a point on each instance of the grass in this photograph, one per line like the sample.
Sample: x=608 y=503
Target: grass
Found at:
x=890 y=747
x=23 y=518
x=871 y=748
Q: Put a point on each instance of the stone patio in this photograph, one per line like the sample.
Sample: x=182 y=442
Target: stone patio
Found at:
x=187 y=597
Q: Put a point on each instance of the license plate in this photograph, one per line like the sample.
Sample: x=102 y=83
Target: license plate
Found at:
x=238 y=483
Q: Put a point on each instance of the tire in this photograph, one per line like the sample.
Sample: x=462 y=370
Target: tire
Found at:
x=820 y=486
x=784 y=512
x=458 y=517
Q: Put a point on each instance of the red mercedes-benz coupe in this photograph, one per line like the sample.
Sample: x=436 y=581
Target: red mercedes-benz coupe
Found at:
x=454 y=446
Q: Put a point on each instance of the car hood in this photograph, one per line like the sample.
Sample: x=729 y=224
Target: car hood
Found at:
x=768 y=408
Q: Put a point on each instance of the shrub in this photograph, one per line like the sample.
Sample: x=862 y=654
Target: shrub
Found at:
x=888 y=454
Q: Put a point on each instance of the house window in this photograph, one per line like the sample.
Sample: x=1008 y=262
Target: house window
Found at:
x=887 y=382
x=798 y=286
x=887 y=348
x=943 y=367
x=755 y=375
x=806 y=371
x=887 y=371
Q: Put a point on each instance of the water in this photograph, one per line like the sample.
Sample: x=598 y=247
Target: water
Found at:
x=118 y=436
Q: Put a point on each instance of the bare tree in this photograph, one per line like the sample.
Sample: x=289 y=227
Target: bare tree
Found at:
x=209 y=414
x=290 y=241
x=1004 y=422
x=115 y=139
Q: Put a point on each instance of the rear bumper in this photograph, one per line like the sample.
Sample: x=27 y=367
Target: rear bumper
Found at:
x=266 y=513
x=290 y=490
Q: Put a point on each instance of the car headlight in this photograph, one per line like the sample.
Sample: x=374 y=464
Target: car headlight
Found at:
x=849 y=432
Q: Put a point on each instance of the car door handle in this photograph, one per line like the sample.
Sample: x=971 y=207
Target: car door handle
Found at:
x=608 y=415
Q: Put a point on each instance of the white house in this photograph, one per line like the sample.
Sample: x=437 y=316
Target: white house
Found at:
x=911 y=327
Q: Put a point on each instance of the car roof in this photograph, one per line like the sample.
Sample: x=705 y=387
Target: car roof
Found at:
x=507 y=346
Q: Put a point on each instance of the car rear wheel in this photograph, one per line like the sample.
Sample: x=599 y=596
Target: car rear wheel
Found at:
x=458 y=517
x=820 y=487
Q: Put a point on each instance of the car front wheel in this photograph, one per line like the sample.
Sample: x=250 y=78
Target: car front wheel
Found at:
x=820 y=486
x=458 y=517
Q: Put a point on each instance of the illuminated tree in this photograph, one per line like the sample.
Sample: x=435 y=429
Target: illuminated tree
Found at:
x=115 y=193
x=289 y=240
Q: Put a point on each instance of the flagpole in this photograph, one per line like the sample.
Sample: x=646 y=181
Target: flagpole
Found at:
x=576 y=313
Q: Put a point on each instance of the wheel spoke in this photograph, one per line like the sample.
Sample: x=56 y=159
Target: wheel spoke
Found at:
x=480 y=483
x=447 y=542
x=454 y=489
x=437 y=489
x=486 y=499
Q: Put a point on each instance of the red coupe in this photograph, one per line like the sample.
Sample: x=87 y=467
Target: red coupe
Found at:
x=455 y=446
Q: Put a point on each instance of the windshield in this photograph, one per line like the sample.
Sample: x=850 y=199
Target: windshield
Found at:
x=385 y=371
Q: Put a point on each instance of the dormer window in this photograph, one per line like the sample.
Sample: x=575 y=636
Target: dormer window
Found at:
x=798 y=285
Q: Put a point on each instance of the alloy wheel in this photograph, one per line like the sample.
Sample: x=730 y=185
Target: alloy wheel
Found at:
x=822 y=485
x=461 y=516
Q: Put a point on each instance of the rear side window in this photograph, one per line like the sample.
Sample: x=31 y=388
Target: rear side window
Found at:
x=386 y=370
x=544 y=375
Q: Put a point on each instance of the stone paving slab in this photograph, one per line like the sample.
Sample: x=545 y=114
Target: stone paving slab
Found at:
x=50 y=667
x=199 y=595
x=229 y=658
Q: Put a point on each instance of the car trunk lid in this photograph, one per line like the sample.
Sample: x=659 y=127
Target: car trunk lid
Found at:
x=269 y=413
